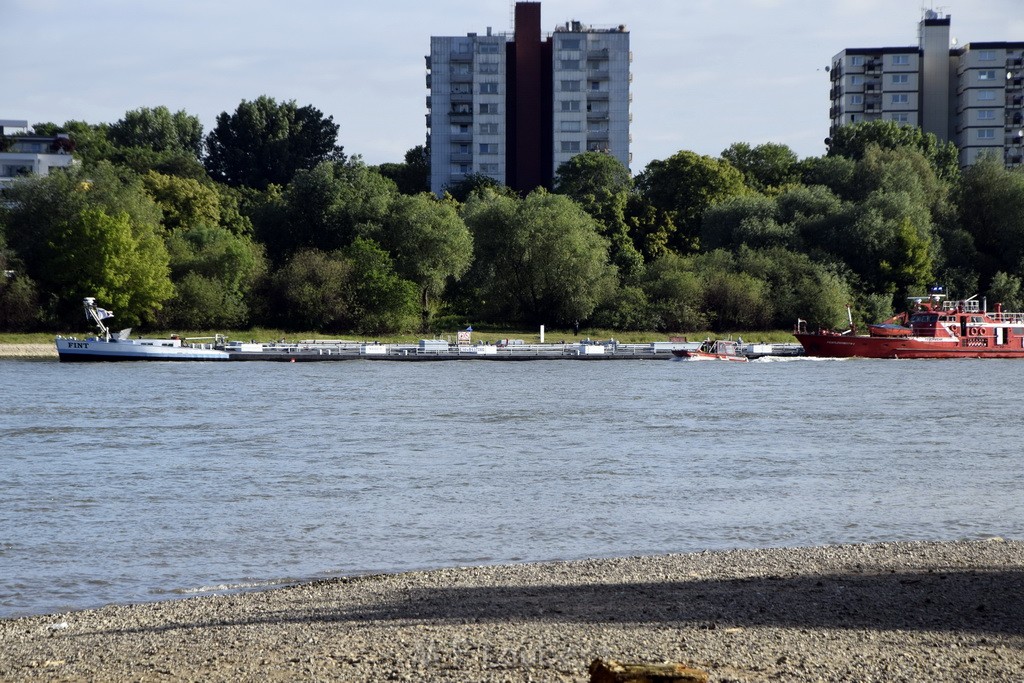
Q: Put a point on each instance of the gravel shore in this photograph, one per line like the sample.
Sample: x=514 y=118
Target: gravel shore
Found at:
x=884 y=612
x=28 y=351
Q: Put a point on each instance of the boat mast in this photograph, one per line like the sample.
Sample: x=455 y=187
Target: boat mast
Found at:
x=97 y=316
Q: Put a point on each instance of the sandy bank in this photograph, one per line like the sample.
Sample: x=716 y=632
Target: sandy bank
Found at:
x=28 y=351
x=885 y=612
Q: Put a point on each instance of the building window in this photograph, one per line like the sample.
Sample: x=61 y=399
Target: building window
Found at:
x=488 y=48
x=462 y=108
x=570 y=145
x=856 y=80
x=986 y=95
x=900 y=98
x=988 y=75
x=570 y=86
x=856 y=60
x=570 y=105
x=488 y=107
x=571 y=64
x=900 y=60
x=986 y=115
x=488 y=67
x=488 y=147
x=986 y=55
x=595 y=86
x=490 y=168
x=461 y=69
x=900 y=78
x=461 y=89
x=460 y=128
x=571 y=127
x=488 y=88
x=571 y=44
x=488 y=129
x=986 y=134
x=856 y=99
x=901 y=117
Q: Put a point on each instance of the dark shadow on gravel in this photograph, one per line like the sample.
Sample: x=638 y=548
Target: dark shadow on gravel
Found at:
x=970 y=602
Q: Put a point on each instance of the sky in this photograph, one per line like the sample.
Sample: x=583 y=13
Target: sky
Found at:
x=706 y=73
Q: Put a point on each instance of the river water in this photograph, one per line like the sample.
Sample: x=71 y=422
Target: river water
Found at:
x=130 y=482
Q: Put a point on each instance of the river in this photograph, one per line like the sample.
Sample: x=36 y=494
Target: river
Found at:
x=131 y=482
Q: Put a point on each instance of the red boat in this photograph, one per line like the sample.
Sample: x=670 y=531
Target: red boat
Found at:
x=713 y=350
x=933 y=328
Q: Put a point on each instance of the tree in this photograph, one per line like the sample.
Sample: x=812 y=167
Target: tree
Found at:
x=214 y=271
x=264 y=142
x=600 y=184
x=92 y=232
x=185 y=202
x=310 y=292
x=380 y=300
x=429 y=242
x=105 y=256
x=325 y=207
x=591 y=175
x=545 y=259
x=412 y=176
x=853 y=140
x=476 y=183
x=159 y=130
x=765 y=168
x=991 y=201
x=676 y=294
x=748 y=219
x=684 y=186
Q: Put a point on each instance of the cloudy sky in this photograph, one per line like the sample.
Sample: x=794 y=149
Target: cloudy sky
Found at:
x=706 y=73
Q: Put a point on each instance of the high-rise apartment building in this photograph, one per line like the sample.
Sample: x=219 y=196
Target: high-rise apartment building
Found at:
x=516 y=106
x=972 y=95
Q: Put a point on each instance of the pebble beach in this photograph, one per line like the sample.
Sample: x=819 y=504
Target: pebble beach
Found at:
x=920 y=611
x=28 y=351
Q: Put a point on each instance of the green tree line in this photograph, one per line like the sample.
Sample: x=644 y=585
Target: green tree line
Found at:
x=266 y=221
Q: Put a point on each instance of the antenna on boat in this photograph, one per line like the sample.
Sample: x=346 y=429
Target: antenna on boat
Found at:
x=97 y=316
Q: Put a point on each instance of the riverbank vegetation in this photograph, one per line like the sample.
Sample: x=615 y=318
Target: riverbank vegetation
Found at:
x=265 y=222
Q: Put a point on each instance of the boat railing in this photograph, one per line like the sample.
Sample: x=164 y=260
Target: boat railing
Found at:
x=1007 y=317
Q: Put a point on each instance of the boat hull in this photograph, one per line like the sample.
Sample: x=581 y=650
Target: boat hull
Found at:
x=859 y=346
x=98 y=350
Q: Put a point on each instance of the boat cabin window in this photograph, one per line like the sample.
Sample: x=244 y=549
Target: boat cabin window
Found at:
x=923 y=318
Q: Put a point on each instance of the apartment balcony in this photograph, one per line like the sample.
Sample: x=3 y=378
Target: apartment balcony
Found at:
x=462 y=137
x=598 y=115
x=597 y=74
x=601 y=53
x=461 y=57
x=593 y=95
x=458 y=157
x=429 y=82
x=461 y=97
x=460 y=116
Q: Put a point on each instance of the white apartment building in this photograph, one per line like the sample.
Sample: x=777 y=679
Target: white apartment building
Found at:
x=590 y=77
x=972 y=96
x=516 y=106
x=22 y=153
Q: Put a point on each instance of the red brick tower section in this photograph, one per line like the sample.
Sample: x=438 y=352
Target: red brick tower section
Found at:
x=529 y=117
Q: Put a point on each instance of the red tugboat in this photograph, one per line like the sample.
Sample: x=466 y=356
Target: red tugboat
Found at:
x=933 y=328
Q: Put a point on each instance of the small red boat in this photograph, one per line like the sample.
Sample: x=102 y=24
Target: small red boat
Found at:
x=713 y=350
x=933 y=328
